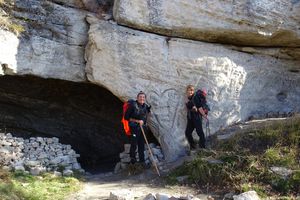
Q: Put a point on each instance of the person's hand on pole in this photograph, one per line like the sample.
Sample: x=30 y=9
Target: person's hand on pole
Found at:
x=141 y=122
x=194 y=108
x=203 y=113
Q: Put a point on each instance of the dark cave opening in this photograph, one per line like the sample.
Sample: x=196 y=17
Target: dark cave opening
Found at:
x=83 y=115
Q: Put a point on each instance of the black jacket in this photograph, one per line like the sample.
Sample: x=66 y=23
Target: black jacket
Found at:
x=192 y=101
x=137 y=111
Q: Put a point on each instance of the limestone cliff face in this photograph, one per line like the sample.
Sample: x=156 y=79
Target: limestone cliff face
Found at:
x=53 y=44
x=239 y=84
x=54 y=40
x=255 y=74
x=243 y=22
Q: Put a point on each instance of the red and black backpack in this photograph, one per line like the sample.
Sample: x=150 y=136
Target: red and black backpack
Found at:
x=125 y=122
x=199 y=99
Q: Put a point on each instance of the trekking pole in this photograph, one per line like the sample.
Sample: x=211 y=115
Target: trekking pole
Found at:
x=207 y=129
x=153 y=162
x=207 y=132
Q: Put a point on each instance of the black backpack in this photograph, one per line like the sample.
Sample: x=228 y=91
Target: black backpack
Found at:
x=199 y=100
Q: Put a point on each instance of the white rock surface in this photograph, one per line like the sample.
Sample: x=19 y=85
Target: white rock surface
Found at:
x=56 y=173
x=67 y=172
x=9 y=43
x=282 y=171
x=37 y=170
x=122 y=194
x=240 y=85
x=19 y=168
x=54 y=49
x=250 y=195
x=255 y=22
x=161 y=196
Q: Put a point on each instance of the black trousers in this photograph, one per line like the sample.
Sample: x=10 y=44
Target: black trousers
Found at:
x=137 y=140
x=195 y=121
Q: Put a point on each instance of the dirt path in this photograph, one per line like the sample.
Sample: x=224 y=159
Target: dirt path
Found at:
x=100 y=186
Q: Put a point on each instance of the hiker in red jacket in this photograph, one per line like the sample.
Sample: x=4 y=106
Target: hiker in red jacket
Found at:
x=136 y=114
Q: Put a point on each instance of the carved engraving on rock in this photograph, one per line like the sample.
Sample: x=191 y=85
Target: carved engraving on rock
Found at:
x=234 y=81
x=164 y=107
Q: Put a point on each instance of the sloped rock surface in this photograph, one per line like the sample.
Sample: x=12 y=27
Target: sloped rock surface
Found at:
x=254 y=23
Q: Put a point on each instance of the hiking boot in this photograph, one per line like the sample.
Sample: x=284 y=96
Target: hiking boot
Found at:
x=146 y=165
x=192 y=146
x=132 y=161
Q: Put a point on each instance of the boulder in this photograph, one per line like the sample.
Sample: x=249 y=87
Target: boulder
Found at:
x=117 y=168
x=57 y=174
x=76 y=166
x=67 y=172
x=122 y=194
x=126 y=148
x=124 y=165
x=149 y=197
x=239 y=84
x=282 y=171
x=125 y=160
x=32 y=163
x=9 y=168
x=19 y=168
x=250 y=195
x=254 y=23
x=161 y=196
x=37 y=170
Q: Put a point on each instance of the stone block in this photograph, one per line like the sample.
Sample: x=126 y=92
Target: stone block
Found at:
x=67 y=172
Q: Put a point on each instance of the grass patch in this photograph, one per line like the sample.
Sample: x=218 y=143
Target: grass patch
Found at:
x=17 y=185
x=6 y=20
x=8 y=24
x=245 y=161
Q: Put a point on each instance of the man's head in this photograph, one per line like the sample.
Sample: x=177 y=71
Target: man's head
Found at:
x=190 y=90
x=141 y=97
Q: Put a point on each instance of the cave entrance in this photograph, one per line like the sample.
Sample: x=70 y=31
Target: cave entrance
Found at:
x=83 y=115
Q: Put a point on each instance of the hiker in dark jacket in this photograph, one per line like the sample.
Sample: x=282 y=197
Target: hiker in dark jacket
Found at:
x=195 y=114
x=137 y=116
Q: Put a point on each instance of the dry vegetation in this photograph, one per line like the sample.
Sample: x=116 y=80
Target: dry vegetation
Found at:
x=7 y=22
x=246 y=162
